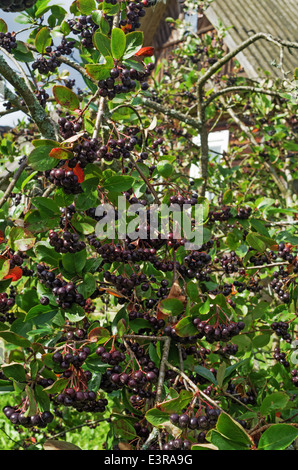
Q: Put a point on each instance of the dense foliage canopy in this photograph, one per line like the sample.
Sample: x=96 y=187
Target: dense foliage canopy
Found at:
x=143 y=342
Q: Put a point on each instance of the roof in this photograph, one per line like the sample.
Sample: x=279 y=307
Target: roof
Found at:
x=276 y=17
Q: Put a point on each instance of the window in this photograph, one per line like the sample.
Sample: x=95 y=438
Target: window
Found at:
x=218 y=143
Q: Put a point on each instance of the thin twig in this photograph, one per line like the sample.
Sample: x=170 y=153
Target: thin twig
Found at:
x=13 y=182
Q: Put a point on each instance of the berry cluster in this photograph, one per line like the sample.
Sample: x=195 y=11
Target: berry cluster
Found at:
x=134 y=11
x=45 y=66
x=226 y=213
x=85 y=27
x=230 y=263
x=123 y=80
x=281 y=329
x=42 y=97
x=82 y=400
x=84 y=153
x=247 y=398
x=66 y=215
x=125 y=285
x=65 y=179
x=68 y=126
x=6 y=303
x=116 y=149
x=220 y=332
x=284 y=252
x=113 y=358
x=280 y=357
x=64 y=48
x=65 y=292
x=67 y=243
x=202 y=422
x=280 y=279
x=8 y=41
x=16 y=5
x=228 y=350
x=19 y=417
x=196 y=262
x=111 y=253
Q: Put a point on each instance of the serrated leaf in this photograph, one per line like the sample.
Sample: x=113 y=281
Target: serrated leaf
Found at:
x=102 y=43
x=43 y=39
x=66 y=97
x=118 y=43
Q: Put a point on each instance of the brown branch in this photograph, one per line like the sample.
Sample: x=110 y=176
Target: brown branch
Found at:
x=195 y=124
x=240 y=88
x=220 y=63
x=38 y=114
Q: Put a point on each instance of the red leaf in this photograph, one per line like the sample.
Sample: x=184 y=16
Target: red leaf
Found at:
x=79 y=172
x=14 y=274
x=145 y=52
x=1 y=236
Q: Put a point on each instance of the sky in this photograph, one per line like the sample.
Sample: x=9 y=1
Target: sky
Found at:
x=9 y=18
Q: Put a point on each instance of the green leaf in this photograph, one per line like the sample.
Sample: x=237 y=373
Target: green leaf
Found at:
x=165 y=169
x=204 y=447
x=118 y=43
x=3 y=26
x=118 y=183
x=223 y=443
x=75 y=313
x=205 y=373
x=99 y=335
x=134 y=42
x=185 y=327
x=157 y=417
x=4 y=267
x=274 y=402
x=20 y=239
x=102 y=43
x=171 y=306
x=46 y=253
x=227 y=197
x=124 y=429
x=43 y=39
x=61 y=154
x=39 y=310
x=221 y=374
x=88 y=286
x=14 y=371
x=39 y=158
x=74 y=262
x=57 y=387
x=46 y=204
x=110 y=9
x=86 y=6
x=259 y=242
x=177 y=404
x=66 y=97
x=32 y=405
x=232 y=430
x=100 y=71
x=278 y=437
x=42 y=399
x=22 y=53
x=15 y=339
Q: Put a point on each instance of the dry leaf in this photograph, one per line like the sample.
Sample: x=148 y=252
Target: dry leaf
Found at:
x=124 y=446
x=176 y=292
x=52 y=444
